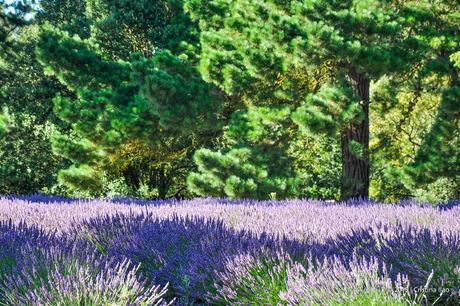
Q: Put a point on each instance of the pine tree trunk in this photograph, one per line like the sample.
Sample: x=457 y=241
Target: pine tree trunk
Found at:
x=355 y=145
x=163 y=184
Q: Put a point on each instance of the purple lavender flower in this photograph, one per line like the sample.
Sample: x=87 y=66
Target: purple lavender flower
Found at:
x=233 y=251
x=83 y=285
x=359 y=282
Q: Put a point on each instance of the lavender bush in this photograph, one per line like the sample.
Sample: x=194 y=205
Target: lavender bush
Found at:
x=278 y=279
x=227 y=252
x=39 y=268
x=359 y=282
x=252 y=279
x=17 y=243
x=79 y=283
x=184 y=251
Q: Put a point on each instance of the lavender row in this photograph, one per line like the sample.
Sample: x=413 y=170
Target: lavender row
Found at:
x=222 y=252
x=296 y=219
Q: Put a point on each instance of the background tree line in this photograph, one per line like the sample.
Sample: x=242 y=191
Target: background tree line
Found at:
x=230 y=98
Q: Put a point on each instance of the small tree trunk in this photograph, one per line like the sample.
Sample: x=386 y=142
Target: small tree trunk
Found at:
x=355 y=145
x=163 y=184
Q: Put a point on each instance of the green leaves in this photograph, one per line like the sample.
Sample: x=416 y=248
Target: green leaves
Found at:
x=76 y=63
x=26 y=162
x=4 y=122
x=176 y=93
x=455 y=58
x=330 y=110
x=132 y=81
x=256 y=164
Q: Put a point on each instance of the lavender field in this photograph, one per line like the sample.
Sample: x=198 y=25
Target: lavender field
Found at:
x=220 y=252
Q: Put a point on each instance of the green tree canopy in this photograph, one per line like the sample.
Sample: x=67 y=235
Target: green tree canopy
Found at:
x=27 y=163
x=123 y=99
x=255 y=165
x=249 y=42
x=13 y=15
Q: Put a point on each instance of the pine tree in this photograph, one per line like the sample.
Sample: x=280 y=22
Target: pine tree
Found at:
x=13 y=14
x=255 y=164
x=139 y=107
x=247 y=42
x=439 y=154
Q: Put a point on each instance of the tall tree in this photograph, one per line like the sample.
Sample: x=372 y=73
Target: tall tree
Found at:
x=27 y=164
x=140 y=106
x=438 y=155
x=245 y=42
x=13 y=15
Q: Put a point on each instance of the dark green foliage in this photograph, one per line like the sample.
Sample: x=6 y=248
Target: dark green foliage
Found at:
x=96 y=83
x=27 y=164
x=256 y=165
x=247 y=43
x=329 y=110
x=176 y=93
x=439 y=154
x=317 y=98
x=124 y=102
x=67 y=15
x=245 y=40
x=123 y=27
x=73 y=54
x=13 y=15
x=437 y=158
x=26 y=161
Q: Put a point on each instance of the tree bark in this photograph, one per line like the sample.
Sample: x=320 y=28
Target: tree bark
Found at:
x=355 y=145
